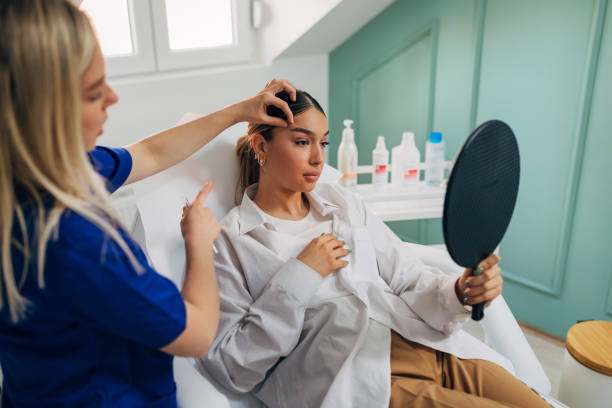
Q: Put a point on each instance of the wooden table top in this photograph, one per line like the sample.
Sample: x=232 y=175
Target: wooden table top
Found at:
x=590 y=343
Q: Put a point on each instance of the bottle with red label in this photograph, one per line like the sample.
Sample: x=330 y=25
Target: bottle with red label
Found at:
x=405 y=160
x=380 y=162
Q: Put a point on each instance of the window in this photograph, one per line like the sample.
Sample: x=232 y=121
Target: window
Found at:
x=112 y=25
x=193 y=33
x=125 y=34
x=199 y=24
x=140 y=36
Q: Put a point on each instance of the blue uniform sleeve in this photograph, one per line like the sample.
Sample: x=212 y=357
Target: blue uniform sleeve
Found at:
x=100 y=288
x=112 y=163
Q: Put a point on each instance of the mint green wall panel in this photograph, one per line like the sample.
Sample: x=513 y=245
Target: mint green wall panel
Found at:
x=589 y=262
x=531 y=77
x=387 y=106
x=391 y=52
x=586 y=292
x=542 y=67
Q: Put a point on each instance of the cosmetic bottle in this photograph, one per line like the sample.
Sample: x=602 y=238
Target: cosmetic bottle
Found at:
x=434 y=160
x=380 y=163
x=347 y=156
x=405 y=159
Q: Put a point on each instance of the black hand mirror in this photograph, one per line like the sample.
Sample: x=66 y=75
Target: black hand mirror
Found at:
x=480 y=196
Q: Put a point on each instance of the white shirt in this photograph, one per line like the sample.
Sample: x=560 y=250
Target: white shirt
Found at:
x=299 y=340
x=311 y=226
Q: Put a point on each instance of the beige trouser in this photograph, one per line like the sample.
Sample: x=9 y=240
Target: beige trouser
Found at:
x=423 y=377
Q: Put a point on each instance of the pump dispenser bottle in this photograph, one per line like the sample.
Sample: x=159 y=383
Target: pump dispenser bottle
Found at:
x=405 y=159
x=347 y=156
x=380 y=162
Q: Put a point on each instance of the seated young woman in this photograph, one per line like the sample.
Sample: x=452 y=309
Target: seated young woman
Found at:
x=323 y=305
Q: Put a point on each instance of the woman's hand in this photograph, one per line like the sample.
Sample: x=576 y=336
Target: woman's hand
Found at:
x=482 y=287
x=198 y=224
x=253 y=109
x=322 y=254
x=171 y=146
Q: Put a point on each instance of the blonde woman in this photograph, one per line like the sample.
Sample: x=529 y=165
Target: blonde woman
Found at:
x=323 y=306
x=84 y=320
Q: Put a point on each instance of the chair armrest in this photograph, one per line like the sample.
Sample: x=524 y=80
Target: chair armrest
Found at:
x=505 y=336
x=193 y=389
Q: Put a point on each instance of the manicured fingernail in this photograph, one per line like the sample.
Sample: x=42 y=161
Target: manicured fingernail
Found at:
x=465 y=292
x=466 y=300
x=348 y=250
x=322 y=234
x=467 y=283
x=478 y=270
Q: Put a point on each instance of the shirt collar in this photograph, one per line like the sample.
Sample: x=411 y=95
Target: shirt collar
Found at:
x=251 y=217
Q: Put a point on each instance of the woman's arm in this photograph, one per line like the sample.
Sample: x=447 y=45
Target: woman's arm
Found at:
x=171 y=146
x=200 y=291
x=254 y=333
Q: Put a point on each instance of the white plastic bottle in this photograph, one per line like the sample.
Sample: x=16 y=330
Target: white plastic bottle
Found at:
x=405 y=159
x=434 y=160
x=347 y=156
x=380 y=164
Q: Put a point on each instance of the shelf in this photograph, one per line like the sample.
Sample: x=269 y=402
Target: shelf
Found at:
x=391 y=203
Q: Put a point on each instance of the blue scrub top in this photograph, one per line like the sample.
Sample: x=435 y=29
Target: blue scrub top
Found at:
x=92 y=335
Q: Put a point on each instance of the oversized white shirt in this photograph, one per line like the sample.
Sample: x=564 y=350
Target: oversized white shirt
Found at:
x=296 y=339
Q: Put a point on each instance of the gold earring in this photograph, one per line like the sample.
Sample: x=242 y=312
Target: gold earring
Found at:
x=261 y=161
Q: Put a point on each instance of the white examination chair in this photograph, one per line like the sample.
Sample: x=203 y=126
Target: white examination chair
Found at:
x=155 y=223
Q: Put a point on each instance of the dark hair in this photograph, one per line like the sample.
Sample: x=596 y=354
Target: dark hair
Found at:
x=249 y=168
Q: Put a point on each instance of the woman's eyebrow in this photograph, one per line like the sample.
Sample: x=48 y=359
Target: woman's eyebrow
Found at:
x=96 y=84
x=306 y=131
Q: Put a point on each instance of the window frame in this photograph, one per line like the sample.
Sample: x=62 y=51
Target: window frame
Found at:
x=241 y=51
x=143 y=58
x=152 y=53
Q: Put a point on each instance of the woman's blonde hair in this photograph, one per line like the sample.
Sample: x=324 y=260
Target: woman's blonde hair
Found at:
x=249 y=168
x=45 y=48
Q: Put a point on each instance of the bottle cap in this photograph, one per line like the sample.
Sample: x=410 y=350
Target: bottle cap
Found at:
x=435 y=137
x=380 y=143
x=408 y=138
x=348 y=133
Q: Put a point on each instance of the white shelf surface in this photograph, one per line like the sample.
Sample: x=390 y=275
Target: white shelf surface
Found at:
x=391 y=203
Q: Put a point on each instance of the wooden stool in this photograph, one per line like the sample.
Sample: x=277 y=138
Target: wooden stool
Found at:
x=586 y=380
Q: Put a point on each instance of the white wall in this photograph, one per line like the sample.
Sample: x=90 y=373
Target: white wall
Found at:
x=331 y=29
x=150 y=103
x=285 y=21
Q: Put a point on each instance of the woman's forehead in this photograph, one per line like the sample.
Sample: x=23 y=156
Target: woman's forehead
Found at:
x=312 y=120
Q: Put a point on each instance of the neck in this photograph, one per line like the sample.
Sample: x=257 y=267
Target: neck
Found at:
x=280 y=202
